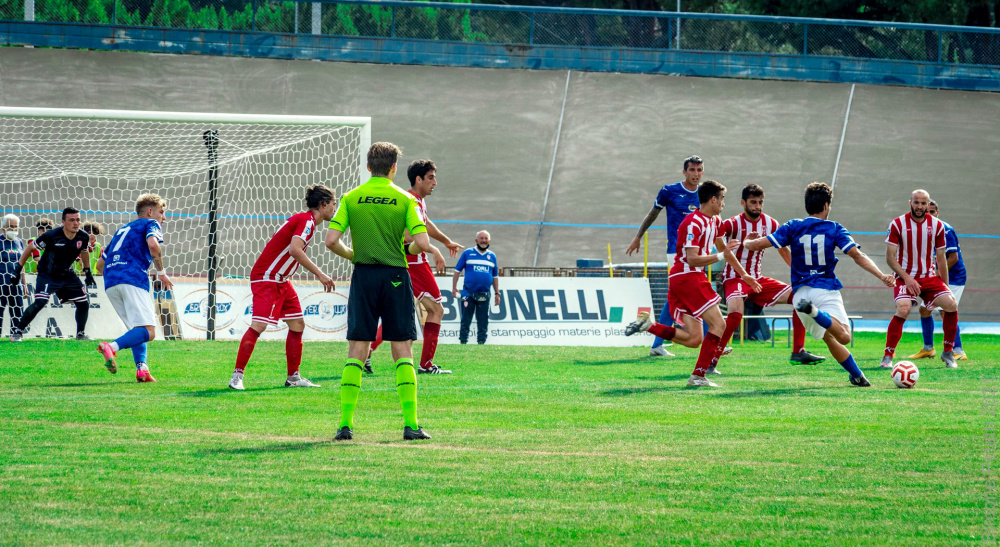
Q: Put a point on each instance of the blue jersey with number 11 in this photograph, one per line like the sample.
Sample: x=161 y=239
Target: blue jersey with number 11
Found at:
x=127 y=257
x=813 y=242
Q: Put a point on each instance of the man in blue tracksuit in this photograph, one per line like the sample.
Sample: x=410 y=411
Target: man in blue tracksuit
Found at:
x=481 y=273
x=11 y=290
x=679 y=199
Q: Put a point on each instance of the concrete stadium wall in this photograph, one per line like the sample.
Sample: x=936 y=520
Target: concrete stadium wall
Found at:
x=492 y=133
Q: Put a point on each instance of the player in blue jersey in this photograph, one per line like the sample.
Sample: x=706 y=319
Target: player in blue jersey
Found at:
x=679 y=199
x=956 y=282
x=125 y=266
x=813 y=242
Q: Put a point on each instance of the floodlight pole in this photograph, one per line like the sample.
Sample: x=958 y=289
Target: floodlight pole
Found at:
x=212 y=143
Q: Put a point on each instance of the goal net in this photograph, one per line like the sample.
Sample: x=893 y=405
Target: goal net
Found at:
x=100 y=161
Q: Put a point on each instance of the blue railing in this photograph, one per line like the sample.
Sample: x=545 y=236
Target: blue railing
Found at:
x=532 y=37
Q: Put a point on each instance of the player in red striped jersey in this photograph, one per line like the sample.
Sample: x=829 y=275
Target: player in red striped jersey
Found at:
x=423 y=179
x=915 y=250
x=691 y=297
x=274 y=298
x=753 y=223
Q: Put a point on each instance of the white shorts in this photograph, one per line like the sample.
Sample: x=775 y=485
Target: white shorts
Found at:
x=134 y=305
x=827 y=301
x=956 y=290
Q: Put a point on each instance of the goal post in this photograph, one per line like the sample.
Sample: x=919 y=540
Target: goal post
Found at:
x=230 y=180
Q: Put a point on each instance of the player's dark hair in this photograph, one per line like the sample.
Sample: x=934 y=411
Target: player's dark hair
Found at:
x=46 y=223
x=318 y=196
x=934 y=203
x=710 y=189
x=818 y=194
x=419 y=168
x=69 y=211
x=93 y=228
x=381 y=157
x=752 y=190
x=692 y=159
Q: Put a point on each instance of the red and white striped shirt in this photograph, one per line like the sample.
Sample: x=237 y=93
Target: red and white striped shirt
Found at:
x=917 y=243
x=696 y=230
x=276 y=262
x=422 y=211
x=737 y=228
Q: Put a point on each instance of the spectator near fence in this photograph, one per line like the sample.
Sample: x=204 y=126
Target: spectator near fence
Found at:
x=481 y=272
x=11 y=290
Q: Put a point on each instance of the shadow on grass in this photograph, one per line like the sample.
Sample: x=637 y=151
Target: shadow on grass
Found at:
x=224 y=391
x=671 y=378
x=626 y=391
x=607 y=362
x=81 y=384
x=268 y=448
x=784 y=392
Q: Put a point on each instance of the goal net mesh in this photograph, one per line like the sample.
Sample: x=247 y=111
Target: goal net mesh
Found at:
x=101 y=166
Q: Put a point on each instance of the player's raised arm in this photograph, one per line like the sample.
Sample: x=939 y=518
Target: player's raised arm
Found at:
x=646 y=223
x=434 y=232
x=298 y=252
x=730 y=258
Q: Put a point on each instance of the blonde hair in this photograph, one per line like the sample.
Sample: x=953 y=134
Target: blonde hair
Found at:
x=148 y=200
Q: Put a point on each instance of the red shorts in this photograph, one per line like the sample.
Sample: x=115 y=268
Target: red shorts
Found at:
x=424 y=284
x=690 y=294
x=273 y=302
x=771 y=292
x=930 y=289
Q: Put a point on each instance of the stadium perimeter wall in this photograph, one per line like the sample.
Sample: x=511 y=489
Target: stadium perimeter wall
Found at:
x=493 y=133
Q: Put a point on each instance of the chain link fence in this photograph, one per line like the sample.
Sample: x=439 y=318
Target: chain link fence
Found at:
x=519 y=25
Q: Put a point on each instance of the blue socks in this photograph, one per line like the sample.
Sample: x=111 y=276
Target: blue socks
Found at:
x=850 y=366
x=139 y=353
x=927 y=328
x=664 y=319
x=958 y=337
x=824 y=320
x=132 y=338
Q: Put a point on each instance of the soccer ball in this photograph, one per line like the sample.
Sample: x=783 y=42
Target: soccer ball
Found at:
x=905 y=374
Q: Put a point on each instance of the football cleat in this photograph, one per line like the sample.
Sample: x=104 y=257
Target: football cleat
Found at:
x=236 y=382
x=727 y=350
x=804 y=306
x=924 y=354
x=109 y=357
x=433 y=369
x=659 y=351
x=886 y=362
x=641 y=324
x=949 y=359
x=16 y=335
x=961 y=356
x=298 y=381
x=368 y=363
x=82 y=336
x=410 y=434
x=142 y=376
x=712 y=370
x=860 y=381
x=805 y=358
x=344 y=434
x=700 y=381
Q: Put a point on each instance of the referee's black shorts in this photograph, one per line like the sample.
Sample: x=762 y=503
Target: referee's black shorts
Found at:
x=380 y=292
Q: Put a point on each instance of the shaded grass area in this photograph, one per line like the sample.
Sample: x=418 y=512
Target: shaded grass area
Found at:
x=532 y=445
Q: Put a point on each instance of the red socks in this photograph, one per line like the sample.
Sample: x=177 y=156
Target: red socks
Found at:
x=293 y=351
x=893 y=335
x=709 y=347
x=431 y=331
x=246 y=349
x=663 y=331
x=950 y=321
x=732 y=321
x=378 y=338
x=798 y=334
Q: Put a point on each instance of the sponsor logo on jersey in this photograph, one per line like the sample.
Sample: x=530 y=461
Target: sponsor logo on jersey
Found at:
x=692 y=208
x=376 y=200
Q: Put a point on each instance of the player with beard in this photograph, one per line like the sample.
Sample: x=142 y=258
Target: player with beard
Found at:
x=916 y=241
x=753 y=223
x=423 y=179
x=481 y=272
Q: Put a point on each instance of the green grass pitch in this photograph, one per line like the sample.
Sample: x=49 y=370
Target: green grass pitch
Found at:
x=532 y=445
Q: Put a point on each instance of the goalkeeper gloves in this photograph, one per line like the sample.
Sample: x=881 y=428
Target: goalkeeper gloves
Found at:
x=17 y=274
x=89 y=276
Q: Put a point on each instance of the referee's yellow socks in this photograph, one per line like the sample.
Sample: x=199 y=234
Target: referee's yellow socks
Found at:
x=350 y=388
x=406 y=387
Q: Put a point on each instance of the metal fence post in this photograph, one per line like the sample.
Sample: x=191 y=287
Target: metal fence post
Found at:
x=805 y=39
x=940 y=40
x=253 y=15
x=392 y=23
x=531 y=28
x=29 y=10
x=317 y=18
x=297 y=6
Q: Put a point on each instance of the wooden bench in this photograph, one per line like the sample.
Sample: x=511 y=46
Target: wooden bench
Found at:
x=788 y=326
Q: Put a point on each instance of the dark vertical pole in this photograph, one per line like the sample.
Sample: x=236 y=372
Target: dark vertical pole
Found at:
x=253 y=15
x=805 y=39
x=212 y=143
